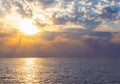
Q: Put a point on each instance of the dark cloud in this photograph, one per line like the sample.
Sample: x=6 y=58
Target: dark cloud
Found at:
x=69 y=43
x=72 y=44
x=23 y=11
x=47 y=3
x=112 y=12
x=49 y=35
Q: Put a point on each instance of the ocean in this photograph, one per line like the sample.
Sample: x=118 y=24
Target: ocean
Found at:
x=82 y=70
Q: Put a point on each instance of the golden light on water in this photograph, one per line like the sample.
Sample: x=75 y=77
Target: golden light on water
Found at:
x=30 y=61
x=30 y=70
x=27 y=27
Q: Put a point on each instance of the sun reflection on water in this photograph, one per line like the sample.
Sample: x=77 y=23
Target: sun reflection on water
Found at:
x=33 y=71
x=30 y=61
x=30 y=70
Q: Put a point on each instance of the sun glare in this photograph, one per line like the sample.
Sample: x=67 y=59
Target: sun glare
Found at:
x=27 y=27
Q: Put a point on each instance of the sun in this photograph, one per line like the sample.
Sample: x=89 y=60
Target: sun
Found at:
x=27 y=27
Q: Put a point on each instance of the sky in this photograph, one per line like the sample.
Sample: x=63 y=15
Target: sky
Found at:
x=67 y=28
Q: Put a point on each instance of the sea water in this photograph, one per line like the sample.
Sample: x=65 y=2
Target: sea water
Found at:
x=82 y=70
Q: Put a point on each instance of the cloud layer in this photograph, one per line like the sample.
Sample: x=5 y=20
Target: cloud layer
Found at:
x=59 y=12
x=69 y=28
x=69 y=43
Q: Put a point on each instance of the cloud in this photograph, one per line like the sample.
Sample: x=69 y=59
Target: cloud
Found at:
x=112 y=12
x=69 y=27
x=23 y=10
x=62 y=11
x=69 y=43
x=115 y=38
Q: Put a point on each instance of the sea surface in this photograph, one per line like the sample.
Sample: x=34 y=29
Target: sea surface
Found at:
x=83 y=70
